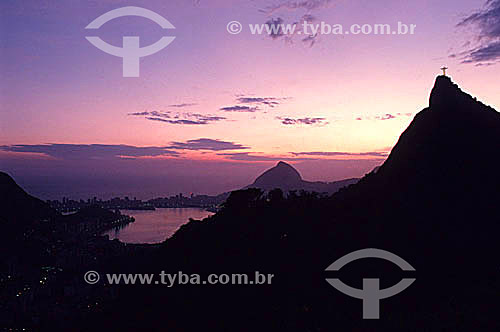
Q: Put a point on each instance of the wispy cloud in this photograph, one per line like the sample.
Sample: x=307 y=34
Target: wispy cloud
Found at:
x=305 y=156
x=383 y=117
x=179 y=122
x=207 y=144
x=185 y=118
x=268 y=101
x=109 y=151
x=275 y=29
x=302 y=10
x=239 y=108
x=303 y=121
x=486 y=22
x=139 y=113
x=253 y=104
x=90 y=151
x=247 y=156
x=489 y=52
x=307 y=5
x=311 y=39
x=378 y=154
x=182 y=105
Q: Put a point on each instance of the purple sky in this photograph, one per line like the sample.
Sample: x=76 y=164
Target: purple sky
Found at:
x=212 y=110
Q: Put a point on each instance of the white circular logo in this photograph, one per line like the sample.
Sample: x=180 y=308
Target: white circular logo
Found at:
x=91 y=277
x=234 y=27
x=131 y=52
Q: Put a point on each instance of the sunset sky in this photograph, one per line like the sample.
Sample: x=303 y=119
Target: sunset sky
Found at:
x=212 y=110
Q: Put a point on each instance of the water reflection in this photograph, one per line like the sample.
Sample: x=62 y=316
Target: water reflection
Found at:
x=154 y=226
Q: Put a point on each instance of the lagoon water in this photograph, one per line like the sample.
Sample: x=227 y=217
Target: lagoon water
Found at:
x=155 y=226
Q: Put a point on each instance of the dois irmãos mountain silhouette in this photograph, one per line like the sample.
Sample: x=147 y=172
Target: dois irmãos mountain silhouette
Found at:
x=285 y=177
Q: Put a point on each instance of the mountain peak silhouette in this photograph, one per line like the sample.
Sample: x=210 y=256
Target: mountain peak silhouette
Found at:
x=282 y=175
x=18 y=209
x=282 y=163
x=285 y=177
x=445 y=150
x=447 y=96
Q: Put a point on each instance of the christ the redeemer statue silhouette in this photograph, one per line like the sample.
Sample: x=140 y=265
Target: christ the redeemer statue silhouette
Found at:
x=444 y=70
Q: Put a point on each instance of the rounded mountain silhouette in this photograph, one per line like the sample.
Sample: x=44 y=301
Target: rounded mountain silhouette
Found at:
x=285 y=177
x=282 y=175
